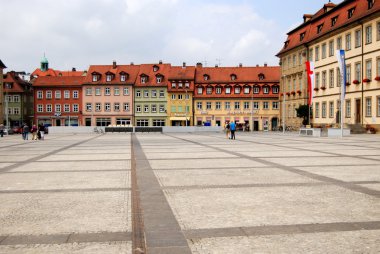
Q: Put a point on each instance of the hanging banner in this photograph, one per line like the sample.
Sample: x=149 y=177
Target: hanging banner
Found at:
x=310 y=81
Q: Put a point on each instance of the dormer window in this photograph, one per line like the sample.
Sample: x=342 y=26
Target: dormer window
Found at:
x=155 y=68
x=179 y=84
x=8 y=85
x=351 y=12
x=108 y=77
x=228 y=90
x=123 y=77
x=261 y=76
x=256 y=89
x=333 y=20
x=319 y=28
x=246 y=89
x=370 y=4
x=266 y=89
x=233 y=77
x=237 y=90
x=206 y=77
x=158 y=79
x=275 y=89
x=199 y=90
x=286 y=44
x=209 y=90
x=143 y=79
x=302 y=36
x=173 y=84
x=187 y=84
x=95 y=77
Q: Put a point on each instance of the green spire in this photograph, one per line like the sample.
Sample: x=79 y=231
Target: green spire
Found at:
x=44 y=63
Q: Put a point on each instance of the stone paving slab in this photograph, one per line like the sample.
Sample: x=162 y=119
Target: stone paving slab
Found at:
x=54 y=213
x=206 y=208
x=365 y=241
x=69 y=248
x=188 y=154
x=320 y=161
x=86 y=157
x=16 y=158
x=374 y=186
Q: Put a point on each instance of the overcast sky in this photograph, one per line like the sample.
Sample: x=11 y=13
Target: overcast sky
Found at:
x=79 y=33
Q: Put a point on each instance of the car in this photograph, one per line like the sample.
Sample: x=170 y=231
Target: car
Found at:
x=16 y=129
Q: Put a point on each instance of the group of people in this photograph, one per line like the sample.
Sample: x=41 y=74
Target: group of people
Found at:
x=230 y=128
x=37 y=132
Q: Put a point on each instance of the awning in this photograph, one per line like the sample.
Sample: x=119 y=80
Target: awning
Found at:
x=179 y=118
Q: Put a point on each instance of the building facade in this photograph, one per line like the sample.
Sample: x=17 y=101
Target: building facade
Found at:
x=247 y=95
x=353 y=25
x=2 y=67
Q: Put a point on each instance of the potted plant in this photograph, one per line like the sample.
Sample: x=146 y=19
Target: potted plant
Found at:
x=356 y=82
x=348 y=83
x=288 y=94
x=323 y=88
x=377 y=78
x=299 y=91
x=293 y=93
x=366 y=80
x=316 y=89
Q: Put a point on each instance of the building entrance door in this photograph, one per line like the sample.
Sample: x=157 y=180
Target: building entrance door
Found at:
x=357 y=111
x=256 y=125
x=58 y=122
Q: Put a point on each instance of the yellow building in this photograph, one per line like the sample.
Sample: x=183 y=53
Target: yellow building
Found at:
x=2 y=66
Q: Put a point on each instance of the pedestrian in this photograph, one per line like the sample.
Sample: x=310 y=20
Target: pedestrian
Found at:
x=232 y=129
x=25 y=132
x=41 y=131
x=2 y=130
x=227 y=128
x=34 y=132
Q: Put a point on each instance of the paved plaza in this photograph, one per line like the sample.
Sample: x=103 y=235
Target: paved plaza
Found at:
x=190 y=193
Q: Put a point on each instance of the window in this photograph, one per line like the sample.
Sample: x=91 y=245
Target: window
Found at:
x=319 y=28
x=317 y=53
x=275 y=105
x=323 y=79
x=88 y=91
x=180 y=96
x=95 y=77
x=138 y=93
x=125 y=90
x=227 y=105
x=16 y=98
x=199 y=90
x=173 y=84
x=368 y=34
x=348 y=108
x=358 y=69
x=16 y=111
x=370 y=4
x=237 y=90
x=103 y=121
x=143 y=79
x=299 y=58
x=348 y=73
x=256 y=89
x=98 y=106
x=162 y=109
x=123 y=121
x=123 y=78
x=66 y=108
x=302 y=35
x=9 y=98
x=348 y=41
x=206 y=77
x=331 y=48
x=323 y=109
x=209 y=90
x=146 y=108
x=368 y=107
x=138 y=108
x=126 y=106
x=146 y=93
x=368 y=69
x=294 y=61
x=310 y=54
x=246 y=105
x=159 y=122
x=155 y=68
x=66 y=94
x=233 y=77
x=331 y=109
x=333 y=20
x=256 y=105
x=107 y=106
x=180 y=84
x=208 y=105
x=159 y=79
x=228 y=90
x=199 y=105
x=275 y=89
x=237 y=105
x=75 y=94
x=162 y=94
x=187 y=96
x=358 y=38
x=217 y=105
x=57 y=107
x=142 y=122
x=317 y=80
x=97 y=91
x=350 y=12
x=317 y=110
x=154 y=93
x=266 y=89
x=323 y=50
x=378 y=106
x=39 y=95
x=338 y=77
x=49 y=94
x=339 y=42
x=378 y=31
x=89 y=107
x=116 y=106
x=40 y=108
x=108 y=77
x=246 y=90
x=218 y=90
x=265 y=105
x=107 y=91
x=75 y=108
x=49 y=108
x=173 y=96
x=116 y=91
x=154 y=108
x=331 y=78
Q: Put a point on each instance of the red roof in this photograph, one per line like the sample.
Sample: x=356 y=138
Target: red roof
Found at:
x=56 y=73
x=152 y=71
x=182 y=73
x=324 y=19
x=48 y=81
x=18 y=85
x=130 y=70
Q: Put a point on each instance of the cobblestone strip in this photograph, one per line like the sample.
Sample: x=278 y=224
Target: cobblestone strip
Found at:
x=282 y=229
x=161 y=229
x=65 y=238
x=343 y=184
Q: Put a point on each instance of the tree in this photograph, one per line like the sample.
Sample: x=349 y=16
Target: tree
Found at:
x=303 y=112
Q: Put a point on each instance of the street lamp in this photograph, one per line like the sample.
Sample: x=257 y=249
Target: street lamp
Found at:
x=283 y=110
x=252 y=109
x=186 y=107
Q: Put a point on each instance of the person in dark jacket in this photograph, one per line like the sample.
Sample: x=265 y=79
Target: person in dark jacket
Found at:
x=25 y=132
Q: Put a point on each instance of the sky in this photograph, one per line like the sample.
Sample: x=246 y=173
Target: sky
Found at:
x=80 y=33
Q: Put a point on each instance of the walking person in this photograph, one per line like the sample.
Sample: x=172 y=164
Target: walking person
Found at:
x=232 y=129
x=41 y=131
x=34 y=132
x=227 y=128
x=25 y=132
x=2 y=128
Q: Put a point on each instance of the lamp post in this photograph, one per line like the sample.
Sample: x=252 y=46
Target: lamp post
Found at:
x=252 y=109
x=283 y=104
x=186 y=107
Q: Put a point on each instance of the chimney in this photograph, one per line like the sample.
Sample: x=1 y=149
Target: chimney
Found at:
x=132 y=63
x=307 y=17
x=73 y=69
x=216 y=66
x=240 y=65
x=114 y=64
x=160 y=62
x=183 y=64
x=199 y=65
x=257 y=65
x=265 y=64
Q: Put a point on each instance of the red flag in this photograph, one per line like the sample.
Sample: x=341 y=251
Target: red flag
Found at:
x=310 y=81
